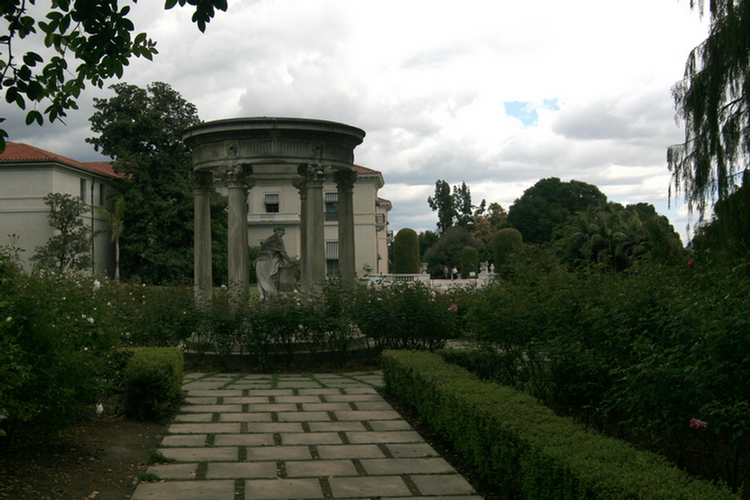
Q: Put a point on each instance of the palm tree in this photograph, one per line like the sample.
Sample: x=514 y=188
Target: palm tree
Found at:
x=114 y=220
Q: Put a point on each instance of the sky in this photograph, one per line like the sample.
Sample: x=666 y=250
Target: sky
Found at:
x=494 y=93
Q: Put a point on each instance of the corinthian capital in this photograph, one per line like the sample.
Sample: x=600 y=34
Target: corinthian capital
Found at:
x=345 y=179
x=314 y=172
x=237 y=175
x=203 y=180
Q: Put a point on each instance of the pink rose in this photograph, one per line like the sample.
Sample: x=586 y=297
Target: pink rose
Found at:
x=697 y=424
x=691 y=263
x=453 y=308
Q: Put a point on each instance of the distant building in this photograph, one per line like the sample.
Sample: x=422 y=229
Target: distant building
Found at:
x=27 y=175
x=277 y=203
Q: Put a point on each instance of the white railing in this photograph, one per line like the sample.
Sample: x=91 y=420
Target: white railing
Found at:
x=396 y=278
x=273 y=217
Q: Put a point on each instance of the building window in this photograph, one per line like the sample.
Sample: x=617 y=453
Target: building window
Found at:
x=102 y=195
x=272 y=203
x=332 y=258
x=332 y=207
x=83 y=190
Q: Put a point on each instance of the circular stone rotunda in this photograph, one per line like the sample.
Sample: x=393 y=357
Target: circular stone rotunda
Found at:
x=238 y=152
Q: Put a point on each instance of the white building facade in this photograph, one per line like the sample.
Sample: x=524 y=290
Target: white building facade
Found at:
x=27 y=175
x=277 y=204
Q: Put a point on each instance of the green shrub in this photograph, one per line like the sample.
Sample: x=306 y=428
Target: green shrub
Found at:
x=327 y=320
x=522 y=448
x=153 y=316
x=405 y=315
x=507 y=241
x=469 y=262
x=153 y=383
x=406 y=252
x=56 y=341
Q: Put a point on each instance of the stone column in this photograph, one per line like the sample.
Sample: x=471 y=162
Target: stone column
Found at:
x=315 y=255
x=347 y=264
x=238 y=260
x=301 y=185
x=203 y=279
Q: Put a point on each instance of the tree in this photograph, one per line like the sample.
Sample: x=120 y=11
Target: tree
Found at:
x=507 y=241
x=497 y=216
x=406 y=252
x=448 y=249
x=613 y=237
x=454 y=209
x=114 y=220
x=141 y=129
x=96 y=34
x=443 y=203
x=727 y=234
x=713 y=99
x=426 y=240
x=548 y=204
x=469 y=262
x=69 y=248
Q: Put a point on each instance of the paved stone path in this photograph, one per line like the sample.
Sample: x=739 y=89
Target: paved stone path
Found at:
x=317 y=436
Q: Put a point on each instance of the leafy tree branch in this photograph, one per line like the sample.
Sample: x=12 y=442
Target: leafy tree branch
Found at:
x=97 y=34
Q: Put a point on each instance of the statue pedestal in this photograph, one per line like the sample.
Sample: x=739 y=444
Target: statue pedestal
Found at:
x=287 y=283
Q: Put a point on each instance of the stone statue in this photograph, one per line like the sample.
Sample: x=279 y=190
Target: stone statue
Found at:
x=272 y=254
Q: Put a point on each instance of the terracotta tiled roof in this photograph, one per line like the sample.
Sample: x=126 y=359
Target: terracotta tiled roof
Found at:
x=365 y=170
x=19 y=152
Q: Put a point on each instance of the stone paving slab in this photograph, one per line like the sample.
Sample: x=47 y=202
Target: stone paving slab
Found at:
x=184 y=440
x=447 y=485
x=210 y=454
x=305 y=437
x=336 y=426
x=321 y=468
x=182 y=490
x=282 y=489
x=244 y=417
x=384 y=437
x=173 y=471
x=243 y=440
x=363 y=487
x=194 y=417
x=204 y=428
x=227 y=470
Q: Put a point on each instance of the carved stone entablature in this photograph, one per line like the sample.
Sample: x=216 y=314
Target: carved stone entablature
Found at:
x=221 y=143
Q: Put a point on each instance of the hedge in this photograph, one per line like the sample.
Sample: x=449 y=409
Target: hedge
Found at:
x=153 y=382
x=522 y=448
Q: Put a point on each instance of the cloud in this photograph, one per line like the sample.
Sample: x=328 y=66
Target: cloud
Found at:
x=526 y=112
x=459 y=93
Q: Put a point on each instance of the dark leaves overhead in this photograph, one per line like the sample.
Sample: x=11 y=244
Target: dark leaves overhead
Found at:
x=713 y=100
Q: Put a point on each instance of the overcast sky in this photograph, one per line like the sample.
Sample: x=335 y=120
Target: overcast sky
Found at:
x=494 y=93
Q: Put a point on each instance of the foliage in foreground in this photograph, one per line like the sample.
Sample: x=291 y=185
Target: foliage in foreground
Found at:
x=657 y=355
x=522 y=448
x=56 y=344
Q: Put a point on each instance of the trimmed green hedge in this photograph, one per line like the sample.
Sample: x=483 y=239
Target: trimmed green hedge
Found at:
x=405 y=250
x=153 y=382
x=522 y=448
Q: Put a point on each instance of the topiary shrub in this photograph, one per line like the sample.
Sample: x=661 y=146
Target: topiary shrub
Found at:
x=507 y=241
x=153 y=383
x=406 y=252
x=469 y=262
